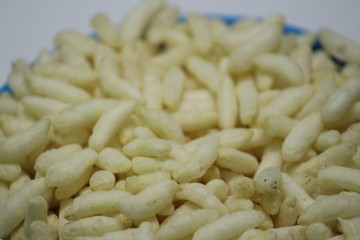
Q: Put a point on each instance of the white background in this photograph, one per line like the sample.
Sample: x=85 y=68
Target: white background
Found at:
x=27 y=26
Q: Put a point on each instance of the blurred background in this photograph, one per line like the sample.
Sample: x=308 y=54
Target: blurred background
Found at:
x=26 y=27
